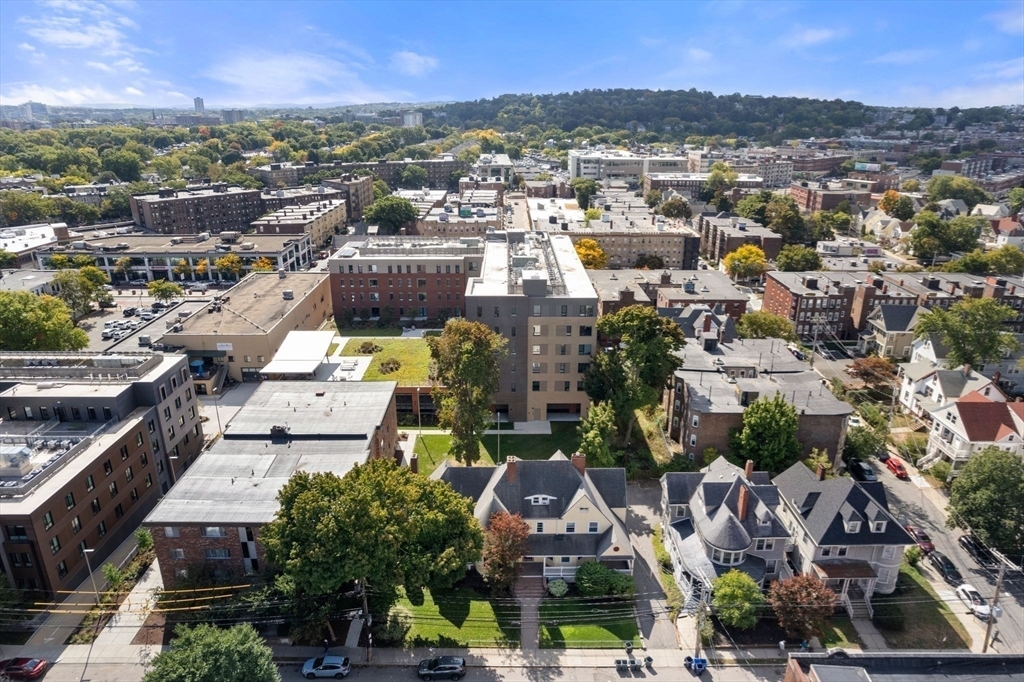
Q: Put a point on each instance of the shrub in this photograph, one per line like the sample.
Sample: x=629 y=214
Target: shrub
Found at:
x=369 y=348
x=394 y=629
x=113 y=575
x=888 y=616
x=660 y=553
x=620 y=584
x=707 y=632
x=144 y=539
x=593 y=579
x=913 y=555
x=558 y=588
x=940 y=471
x=390 y=365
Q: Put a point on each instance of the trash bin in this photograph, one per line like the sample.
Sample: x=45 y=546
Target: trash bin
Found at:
x=699 y=665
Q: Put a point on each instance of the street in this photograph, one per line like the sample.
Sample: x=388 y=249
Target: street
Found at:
x=910 y=505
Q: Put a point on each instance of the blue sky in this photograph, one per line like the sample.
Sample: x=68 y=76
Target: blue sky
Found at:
x=151 y=53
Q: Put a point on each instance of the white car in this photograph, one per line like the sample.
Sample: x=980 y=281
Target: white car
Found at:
x=977 y=605
x=326 y=666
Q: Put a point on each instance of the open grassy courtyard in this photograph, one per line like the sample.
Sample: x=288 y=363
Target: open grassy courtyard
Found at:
x=432 y=448
x=587 y=624
x=460 y=617
x=413 y=354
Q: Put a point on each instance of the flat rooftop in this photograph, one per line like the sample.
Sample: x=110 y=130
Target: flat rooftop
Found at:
x=253 y=306
x=160 y=244
x=409 y=246
x=28 y=237
x=717 y=393
x=305 y=214
x=540 y=256
x=25 y=280
x=768 y=356
x=196 y=193
x=706 y=283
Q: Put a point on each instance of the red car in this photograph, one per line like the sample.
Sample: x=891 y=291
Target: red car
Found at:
x=22 y=668
x=896 y=467
x=921 y=538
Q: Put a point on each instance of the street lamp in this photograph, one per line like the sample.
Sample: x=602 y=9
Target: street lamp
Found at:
x=419 y=412
x=498 y=413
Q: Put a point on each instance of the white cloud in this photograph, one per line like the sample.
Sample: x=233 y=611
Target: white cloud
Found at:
x=71 y=33
x=294 y=78
x=177 y=95
x=134 y=91
x=26 y=47
x=904 y=57
x=1009 y=20
x=698 y=55
x=129 y=64
x=100 y=65
x=805 y=37
x=60 y=97
x=412 y=64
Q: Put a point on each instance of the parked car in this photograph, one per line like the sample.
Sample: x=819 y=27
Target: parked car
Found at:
x=883 y=455
x=159 y=305
x=147 y=315
x=452 y=667
x=128 y=312
x=978 y=552
x=855 y=421
x=337 y=667
x=921 y=538
x=862 y=471
x=23 y=668
x=946 y=568
x=896 y=467
x=107 y=334
x=138 y=283
x=975 y=603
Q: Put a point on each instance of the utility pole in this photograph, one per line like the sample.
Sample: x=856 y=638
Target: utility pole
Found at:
x=814 y=344
x=992 y=611
x=367 y=620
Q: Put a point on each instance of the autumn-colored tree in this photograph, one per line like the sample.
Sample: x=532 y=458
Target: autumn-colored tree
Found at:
x=123 y=266
x=746 y=262
x=202 y=267
x=591 y=254
x=182 y=268
x=229 y=265
x=803 y=605
x=888 y=201
x=873 y=371
x=504 y=547
x=264 y=264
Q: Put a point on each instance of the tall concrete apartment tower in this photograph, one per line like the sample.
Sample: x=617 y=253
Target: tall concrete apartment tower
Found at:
x=199 y=105
x=533 y=289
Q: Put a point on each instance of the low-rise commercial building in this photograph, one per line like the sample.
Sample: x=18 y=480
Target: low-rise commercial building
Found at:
x=239 y=332
x=36 y=282
x=87 y=445
x=616 y=164
x=26 y=240
x=321 y=221
x=214 y=515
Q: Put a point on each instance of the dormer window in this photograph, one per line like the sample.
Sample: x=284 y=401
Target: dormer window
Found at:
x=541 y=499
x=878 y=527
x=853 y=526
x=682 y=511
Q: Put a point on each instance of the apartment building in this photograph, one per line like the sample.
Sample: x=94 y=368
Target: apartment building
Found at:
x=818 y=164
x=820 y=196
x=459 y=221
x=214 y=209
x=214 y=515
x=238 y=332
x=494 y=166
x=356 y=190
x=532 y=289
x=419 y=278
x=692 y=184
x=320 y=221
x=616 y=164
x=976 y=421
x=276 y=199
x=439 y=170
x=617 y=289
x=475 y=183
x=723 y=233
x=156 y=256
x=87 y=445
x=890 y=329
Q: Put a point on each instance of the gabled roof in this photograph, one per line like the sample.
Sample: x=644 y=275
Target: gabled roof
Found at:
x=984 y=420
x=955 y=383
x=897 y=318
x=822 y=505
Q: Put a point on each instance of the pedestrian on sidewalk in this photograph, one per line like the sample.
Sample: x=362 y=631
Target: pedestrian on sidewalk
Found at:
x=326 y=646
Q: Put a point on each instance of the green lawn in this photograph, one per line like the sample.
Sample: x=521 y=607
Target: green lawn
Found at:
x=587 y=624
x=930 y=623
x=460 y=617
x=839 y=632
x=370 y=331
x=433 y=448
x=412 y=353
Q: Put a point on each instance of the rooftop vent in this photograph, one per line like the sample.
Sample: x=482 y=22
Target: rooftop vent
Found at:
x=288 y=294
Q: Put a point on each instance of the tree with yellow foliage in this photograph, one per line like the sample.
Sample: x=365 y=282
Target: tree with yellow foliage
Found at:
x=263 y=264
x=746 y=262
x=591 y=254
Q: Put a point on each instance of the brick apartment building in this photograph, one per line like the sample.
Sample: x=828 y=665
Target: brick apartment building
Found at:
x=814 y=196
x=320 y=220
x=439 y=171
x=89 y=443
x=213 y=517
x=617 y=289
x=276 y=199
x=212 y=209
x=356 y=190
x=819 y=164
x=723 y=233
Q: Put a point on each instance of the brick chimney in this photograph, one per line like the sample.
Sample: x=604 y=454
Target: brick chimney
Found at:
x=820 y=472
x=707 y=322
x=579 y=460
x=996 y=376
x=510 y=469
x=748 y=469
x=967 y=371
x=741 y=510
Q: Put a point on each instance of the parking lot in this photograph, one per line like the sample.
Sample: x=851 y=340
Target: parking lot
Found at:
x=155 y=328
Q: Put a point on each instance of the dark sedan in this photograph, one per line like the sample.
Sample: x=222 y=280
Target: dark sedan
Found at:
x=946 y=568
x=977 y=551
x=862 y=471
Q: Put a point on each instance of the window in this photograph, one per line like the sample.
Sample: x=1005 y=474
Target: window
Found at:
x=47 y=521
x=89 y=483
x=536 y=330
x=138 y=439
x=883 y=575
x=76 y=525
x=826 y=552
x=565 y=311
x=213 y=532
x=565 y=559
x=217 y=554
x=853 y=526
x=840 y=551
x=540 y=526
x=568 y=330
x=118 y=512
x=693 y=440
x=177 y=554
x=107 y=468
x=535 y=368
x=129 y=474
x=771 y=566
x=586 y=331
x=878 y=527
x=134 y=495
x=888 y=552
x=535 y=387
x=584 y=349
x=102 y=528
x=92 y=413
x=144 y=460
x=62 y=569
x=113 y=489
x=167 y=413
x=177 y=403
x=149 y=480
x=69 y=500
x=82 y=546
x=536 y=311
x=763 y=545
x=592 y=527
x=16 y=533
x=570 y=526
x=171 y=532
x=536 y=350
x=95 y=504
x=124 y=452
x=54 y=544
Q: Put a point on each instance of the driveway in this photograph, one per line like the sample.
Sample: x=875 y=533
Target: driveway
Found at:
x=643 y=508
x=911 y=504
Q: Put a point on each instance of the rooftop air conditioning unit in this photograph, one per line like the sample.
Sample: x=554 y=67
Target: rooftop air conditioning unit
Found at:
x=288 y=294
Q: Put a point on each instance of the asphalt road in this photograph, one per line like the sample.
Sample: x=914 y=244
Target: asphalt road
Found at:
x=908 y=503
x=394 y=674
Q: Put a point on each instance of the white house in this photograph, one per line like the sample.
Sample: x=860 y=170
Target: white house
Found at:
x=1006 y=374
x=925 y=387
x=972 y=424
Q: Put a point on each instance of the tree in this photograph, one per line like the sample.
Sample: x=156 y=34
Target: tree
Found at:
x=228 y=265
x=649 y=262
x=8 y=259
x=988 y=498
x=380 y=523
x=162 y=290
x=737 y=599
x=653 y=198
x=896 y=205
x=123 y=267
x=127 y=166
x=263 y=264
x=911 y=185
x=468 y=356
x=825 y=225
x=504 y=546
x=956 y=187
x=413 y=177
x=390 y=213
x=932 y=236
x=1006 y=260
x=795 y=258
x=202 y=267
x=24 y=208
x=1015 y=199
x=78 y=290
x=862 y=442
x=633 y=372
x=975 y=262
x=381 y=189
x=768 y=435
x=874 y=371
x=746 y=262
x=207 y=653
x=584 y=188
x=597 y=431
x=819 y=459
x=591 y=254
x=676 y=208
x=592 y=214
x=972 y=330
x=37 y=323
x=182 y=268
x=754 y=206
x=761 y=324
x=721 y=178
x=803 y=605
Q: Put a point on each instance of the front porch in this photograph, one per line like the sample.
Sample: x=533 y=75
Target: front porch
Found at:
x=853 y=582
x=552 y=568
